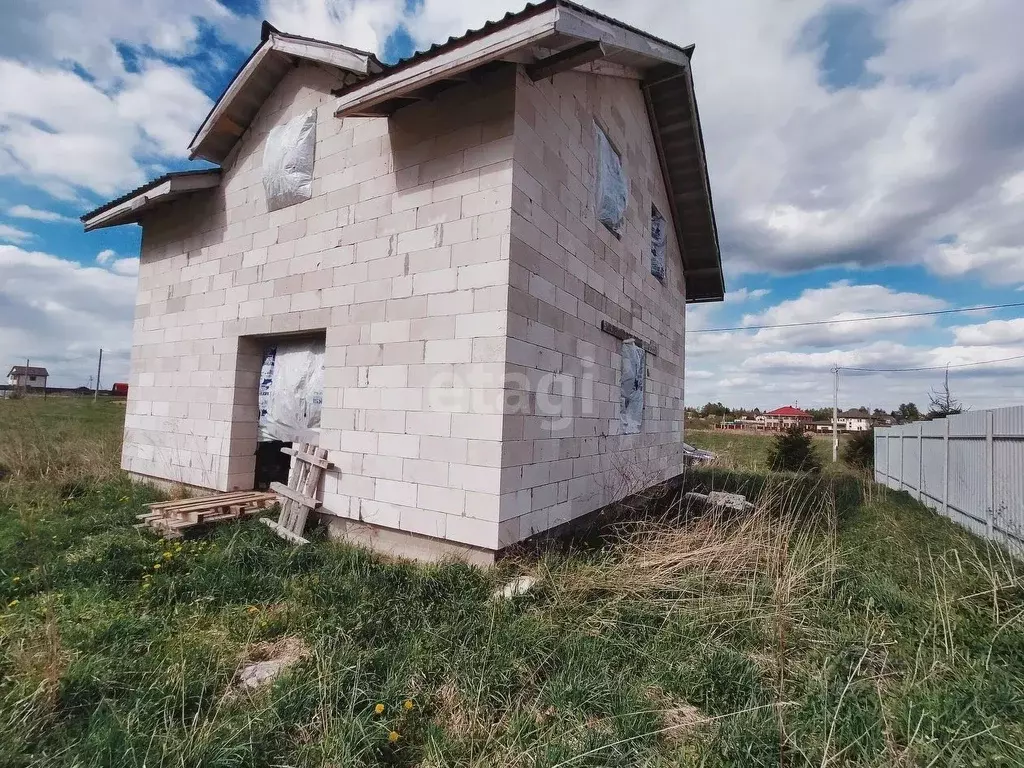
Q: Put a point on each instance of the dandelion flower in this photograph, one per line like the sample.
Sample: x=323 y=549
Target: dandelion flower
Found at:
x=16 y=579
x=12 y=603
x=168 y=555
x=393 y=736
x=147 y=584
x=379 y=709
x=407 y=704
x=156 y=566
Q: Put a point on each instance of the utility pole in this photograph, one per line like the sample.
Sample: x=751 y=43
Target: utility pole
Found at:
x=99 y=367
x=24 y=380
x=835 y=414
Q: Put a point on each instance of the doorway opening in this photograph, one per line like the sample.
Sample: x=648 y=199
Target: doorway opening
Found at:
x=290 y=396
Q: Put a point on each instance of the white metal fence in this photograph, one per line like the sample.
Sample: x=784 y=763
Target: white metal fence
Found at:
x=968 y=467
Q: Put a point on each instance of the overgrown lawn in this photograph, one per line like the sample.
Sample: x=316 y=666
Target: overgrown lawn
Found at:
x=837 y=625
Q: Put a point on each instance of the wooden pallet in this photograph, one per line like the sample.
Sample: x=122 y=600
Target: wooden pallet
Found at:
x=298 y=498
x=172 y=519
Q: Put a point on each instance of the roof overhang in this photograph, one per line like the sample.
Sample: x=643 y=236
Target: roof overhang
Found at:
x=558 y=35
x=130 y=208
x=276 y=54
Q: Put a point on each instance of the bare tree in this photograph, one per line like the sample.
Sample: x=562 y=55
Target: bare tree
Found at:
x=941 y=401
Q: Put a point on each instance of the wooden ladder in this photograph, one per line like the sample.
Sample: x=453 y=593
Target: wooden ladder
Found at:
x=298 y=498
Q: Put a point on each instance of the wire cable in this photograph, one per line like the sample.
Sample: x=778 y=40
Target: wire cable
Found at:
x=860 y=319
x=932 y=367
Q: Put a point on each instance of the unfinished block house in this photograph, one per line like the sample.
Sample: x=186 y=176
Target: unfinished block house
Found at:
x=465 y=275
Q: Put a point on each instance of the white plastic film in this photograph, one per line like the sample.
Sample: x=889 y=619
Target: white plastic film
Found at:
x=634 y=373
x=288 y=162
x=659 y=239
x=612 y=185
x=292 y=391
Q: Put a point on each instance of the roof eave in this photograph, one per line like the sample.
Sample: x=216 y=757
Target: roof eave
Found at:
x=497 y=40
x=129 y=208
x=273 y=41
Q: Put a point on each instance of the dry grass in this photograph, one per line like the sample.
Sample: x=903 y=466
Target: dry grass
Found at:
x=55 y=442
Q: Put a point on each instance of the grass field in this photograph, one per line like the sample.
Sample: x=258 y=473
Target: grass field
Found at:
x=837 y=625
x=748 y=451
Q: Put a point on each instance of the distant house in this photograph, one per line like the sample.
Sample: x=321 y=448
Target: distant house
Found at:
x=28 y=377
x=786 y=417
x=859 y=420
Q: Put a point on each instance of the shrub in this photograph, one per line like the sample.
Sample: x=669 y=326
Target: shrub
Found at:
x=793 y=451
x=860 y=450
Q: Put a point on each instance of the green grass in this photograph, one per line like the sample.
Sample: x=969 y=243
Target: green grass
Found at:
x=864 y=631
x=749 y=450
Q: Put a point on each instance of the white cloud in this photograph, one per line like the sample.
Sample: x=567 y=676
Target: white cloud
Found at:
x=56 y=127
x=842 y=301
x=28 y=212
x=105 y=256
x=127 y=266
x=363 y=24
x=776 y=366
x=741 y=295
x=59 y=313
x=14 y=235
x=992 y=332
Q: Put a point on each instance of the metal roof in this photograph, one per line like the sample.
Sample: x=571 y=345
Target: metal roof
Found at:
x=146 y=188
x=19 y=370
x=787 y=410
x=530 y=9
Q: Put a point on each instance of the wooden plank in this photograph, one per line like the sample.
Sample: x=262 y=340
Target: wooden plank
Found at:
x=200 y=499
x=308 y=458
x=622 y=334
x=283 y=532
x=566 y=60
x=295 y=496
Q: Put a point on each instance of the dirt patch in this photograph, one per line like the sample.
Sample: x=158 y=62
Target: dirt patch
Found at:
x=261 y=663
x=679 y=719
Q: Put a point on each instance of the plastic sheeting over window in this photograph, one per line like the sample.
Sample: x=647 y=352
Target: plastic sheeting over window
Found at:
x=288 y=162
x=659 y=238
x=634 y=374
x=612 y=184
x=292 y=391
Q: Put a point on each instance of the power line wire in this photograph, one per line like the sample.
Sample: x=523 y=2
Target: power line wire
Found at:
x=859 y=319
x=933 y=367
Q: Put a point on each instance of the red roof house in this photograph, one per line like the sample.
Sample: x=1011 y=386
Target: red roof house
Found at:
x=785 y=417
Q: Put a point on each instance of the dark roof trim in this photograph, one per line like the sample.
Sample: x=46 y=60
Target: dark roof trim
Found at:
x=146 y=188
x=267 y=29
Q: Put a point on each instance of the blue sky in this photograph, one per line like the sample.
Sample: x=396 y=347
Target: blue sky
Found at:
x=865 y=158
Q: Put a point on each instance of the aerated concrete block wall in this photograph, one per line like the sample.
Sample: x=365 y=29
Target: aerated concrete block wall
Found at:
x=564 y=456
x=451 y=259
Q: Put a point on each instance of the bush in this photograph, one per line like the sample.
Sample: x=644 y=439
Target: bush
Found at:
x=860 y=450
x=793 y=451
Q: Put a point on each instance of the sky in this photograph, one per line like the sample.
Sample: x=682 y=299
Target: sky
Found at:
x=866 y=158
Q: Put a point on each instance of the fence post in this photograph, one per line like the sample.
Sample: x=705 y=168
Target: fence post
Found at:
x=902 y=430
x=945 y=469
x=990 y=472
x=920 y=461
